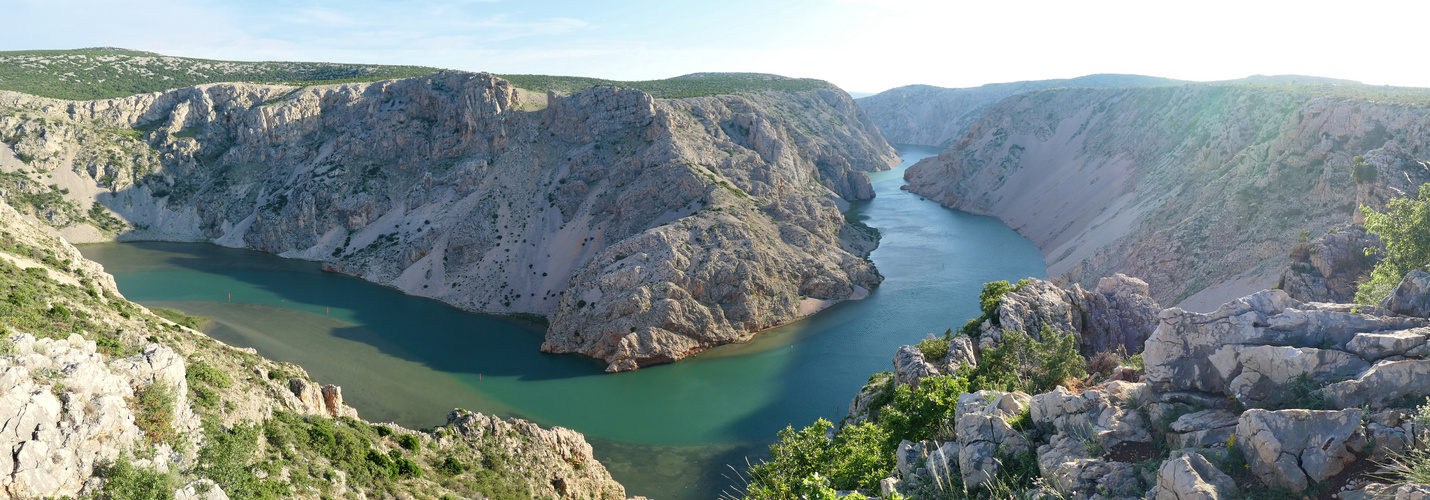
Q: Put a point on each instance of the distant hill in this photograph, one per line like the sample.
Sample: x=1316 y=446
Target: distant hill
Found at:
x=1279 y=79
x=691 y=85
x=938 y=116
x=107 y=72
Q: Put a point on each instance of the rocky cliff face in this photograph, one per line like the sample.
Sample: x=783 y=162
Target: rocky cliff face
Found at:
x=1199 y=189
x=102 y=397
x=645 y=229
x=938 y=116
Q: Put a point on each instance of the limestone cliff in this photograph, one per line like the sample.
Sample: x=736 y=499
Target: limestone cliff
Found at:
x=938 y=116
x=1201 y=190
x=645 y=229
x=102 y=397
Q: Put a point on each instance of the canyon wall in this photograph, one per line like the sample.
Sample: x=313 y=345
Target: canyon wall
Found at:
x=644 y=229
x=938 y=116
x=1201 y=190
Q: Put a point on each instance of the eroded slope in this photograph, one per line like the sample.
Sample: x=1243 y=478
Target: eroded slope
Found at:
x=645 y=229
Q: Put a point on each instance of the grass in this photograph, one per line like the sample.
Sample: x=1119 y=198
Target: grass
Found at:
x=193 y=322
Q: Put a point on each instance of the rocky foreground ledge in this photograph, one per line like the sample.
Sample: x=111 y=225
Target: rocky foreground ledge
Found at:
x=103 y=398
x=1266 y=397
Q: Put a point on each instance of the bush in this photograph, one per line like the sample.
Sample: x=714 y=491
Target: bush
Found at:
x=201 y=372
x=154 y=412
x=451 y=467
x=934 y=349
x=1405 y=229
x=1362 y=172
x=1022 y=363
x=122 y=481
x=408 y=441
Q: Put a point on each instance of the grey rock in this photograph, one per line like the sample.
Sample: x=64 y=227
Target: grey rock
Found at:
x=1384 y=382
x=1411 y=297
x=907 y=456
x=1291 y=448
x=984 y=435
x=910 y=366
x=1206 y=428
x=1192 y=477
x=203 y=489
x=1256 y=343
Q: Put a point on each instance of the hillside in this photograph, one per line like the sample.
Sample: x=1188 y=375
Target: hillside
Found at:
x=644 y=229
x=107 y=73
x=103 y=398
x=1200 y=189
x=938 y=116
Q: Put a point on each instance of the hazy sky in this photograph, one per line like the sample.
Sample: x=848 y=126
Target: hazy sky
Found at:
x=860 y=45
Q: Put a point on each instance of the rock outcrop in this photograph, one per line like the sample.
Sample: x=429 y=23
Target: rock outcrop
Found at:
x=1198 y=189
x=1309 y=398
x=1327 y=268
x=95 y=389
x=1192 y=477
x=1292 y=448
x=644 y=229
x=1117 y=315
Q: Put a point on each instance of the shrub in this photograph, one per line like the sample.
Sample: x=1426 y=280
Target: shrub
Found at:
x=122 y=481
x=1022 y=363
x=408 y=441
x=201 y=372
x=154 y=412
x=1362 y=172
x=1405 y=229
x=451 y=467
x=933 y=348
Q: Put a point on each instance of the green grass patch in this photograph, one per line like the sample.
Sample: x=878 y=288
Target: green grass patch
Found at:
x=194 y=322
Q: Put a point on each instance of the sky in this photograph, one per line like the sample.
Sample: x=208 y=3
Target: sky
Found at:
x=860 y=45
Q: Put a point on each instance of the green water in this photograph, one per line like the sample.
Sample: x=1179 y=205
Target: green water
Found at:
x=666 y=432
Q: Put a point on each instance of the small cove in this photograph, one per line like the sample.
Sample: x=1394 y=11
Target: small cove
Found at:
x=665 y=431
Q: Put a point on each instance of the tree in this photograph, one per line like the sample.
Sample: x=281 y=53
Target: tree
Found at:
x=1405 y=229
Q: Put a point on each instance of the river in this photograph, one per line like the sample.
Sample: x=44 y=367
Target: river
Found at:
x=666 y=432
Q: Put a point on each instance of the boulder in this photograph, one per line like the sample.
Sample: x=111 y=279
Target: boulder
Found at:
x=906 y=457
x=984 y=436
x=1411 y=297
x=1204 y=428
x=961 y=351
x=1118 y=315
x=1192 y=477
x=942 y=463
x=1291 y=448
x=1385 y=382
x=910 y=366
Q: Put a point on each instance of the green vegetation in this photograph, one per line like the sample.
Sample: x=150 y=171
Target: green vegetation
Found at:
x=1405 y=229
x=804 y=463
x=1022 y=363
x=154 y=410
x=104 y=73
x=122 y=481
x=194 y=322
x=697 y=85
x=1362 y=172
x=988 y=301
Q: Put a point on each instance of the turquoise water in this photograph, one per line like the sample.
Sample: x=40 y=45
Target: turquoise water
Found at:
x=665 y=431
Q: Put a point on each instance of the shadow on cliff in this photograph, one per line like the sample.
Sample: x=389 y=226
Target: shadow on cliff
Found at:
x=412 y=328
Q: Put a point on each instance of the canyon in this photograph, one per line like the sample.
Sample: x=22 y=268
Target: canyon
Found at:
x=1199 y=189
x=644 y=230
